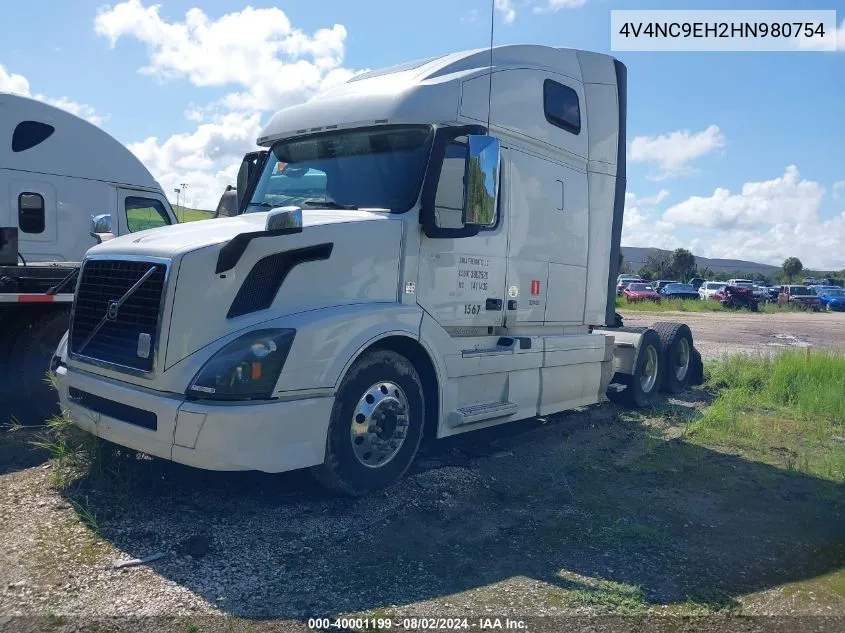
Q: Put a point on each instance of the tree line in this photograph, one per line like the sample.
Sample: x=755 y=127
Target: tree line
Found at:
x=680 y=264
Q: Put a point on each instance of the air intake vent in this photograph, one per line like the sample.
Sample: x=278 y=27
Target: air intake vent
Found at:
x=116 y=313
x=267 y=275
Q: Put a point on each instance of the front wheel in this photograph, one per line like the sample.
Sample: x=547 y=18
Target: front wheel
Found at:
x=376 y=425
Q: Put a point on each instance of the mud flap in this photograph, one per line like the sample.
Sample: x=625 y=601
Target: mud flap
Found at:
x=697 y=368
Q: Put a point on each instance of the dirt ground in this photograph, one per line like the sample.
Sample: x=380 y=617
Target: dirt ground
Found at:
x=594 y=512
x=717 y=334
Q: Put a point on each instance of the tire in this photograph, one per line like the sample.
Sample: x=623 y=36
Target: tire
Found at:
x=11 y=324
x=31 y=355
x=352 y=466
x=640 y=393
x=676 y=340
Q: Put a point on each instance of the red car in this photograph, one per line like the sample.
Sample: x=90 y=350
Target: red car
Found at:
x=640 y=292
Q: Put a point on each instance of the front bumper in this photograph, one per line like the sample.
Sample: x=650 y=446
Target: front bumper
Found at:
x=268 y=436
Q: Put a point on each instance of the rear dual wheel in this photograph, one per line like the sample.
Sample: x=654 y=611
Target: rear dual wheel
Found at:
x=678 y=355
x=643 y=385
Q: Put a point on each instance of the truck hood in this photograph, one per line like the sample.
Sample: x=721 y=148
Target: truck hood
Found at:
x=172 y=241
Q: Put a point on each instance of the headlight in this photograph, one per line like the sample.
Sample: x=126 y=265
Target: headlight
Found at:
x=247 y=368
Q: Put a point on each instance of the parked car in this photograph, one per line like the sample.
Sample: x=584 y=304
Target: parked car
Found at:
x=800 y=296
x=737 y=297
x=638 y=291
x=622 y=282
x=678 y=291
x=661 y=283
x=820 y=289
x=808 y=281
x=709 y=288
x=696 y=282
x=761 y=292
x=742 y=283
x=832 y=299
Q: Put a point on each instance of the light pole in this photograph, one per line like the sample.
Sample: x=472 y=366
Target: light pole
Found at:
x=184 y=186
x=178 y=191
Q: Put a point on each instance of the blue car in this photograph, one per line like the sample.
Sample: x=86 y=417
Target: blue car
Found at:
x=832 y=299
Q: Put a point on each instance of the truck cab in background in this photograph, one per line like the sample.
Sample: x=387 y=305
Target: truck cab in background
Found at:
x=65 y=186
x=400 y=266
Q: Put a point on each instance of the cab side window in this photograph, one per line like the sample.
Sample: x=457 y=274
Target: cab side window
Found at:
x=31 y=212
x=561 y=107
x=145 y=213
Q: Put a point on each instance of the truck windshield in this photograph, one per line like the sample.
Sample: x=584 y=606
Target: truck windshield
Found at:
x=380 y=167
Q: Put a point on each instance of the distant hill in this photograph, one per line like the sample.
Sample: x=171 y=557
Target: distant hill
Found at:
x=636 y=258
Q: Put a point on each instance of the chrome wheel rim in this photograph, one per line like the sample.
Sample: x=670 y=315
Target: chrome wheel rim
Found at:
x=649 y=376
x=682 y=360
x=379 y=424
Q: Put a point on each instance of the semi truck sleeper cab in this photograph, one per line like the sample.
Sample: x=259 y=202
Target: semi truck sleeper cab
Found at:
x=406 y=261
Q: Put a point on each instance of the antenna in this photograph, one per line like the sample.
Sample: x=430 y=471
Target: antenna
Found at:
x=490 y=75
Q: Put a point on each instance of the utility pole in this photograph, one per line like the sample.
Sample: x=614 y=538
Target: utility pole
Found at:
x=178 y=191
x=184 y=186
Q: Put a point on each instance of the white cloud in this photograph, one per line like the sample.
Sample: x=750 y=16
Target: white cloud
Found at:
x=557 y=5
x=838 y=188
x=840 y=36
x=207 y=159
x=765 y=222
x=787 y=199
x=18 y=84
x=470 y=16
x=505 y=7
x=674 y=152
x=257 y=55
x=641 y=226
x=11 y=82
x=656 y=199
x=254 y=49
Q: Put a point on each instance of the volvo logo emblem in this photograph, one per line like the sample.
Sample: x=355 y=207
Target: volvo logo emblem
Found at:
x=111 y=311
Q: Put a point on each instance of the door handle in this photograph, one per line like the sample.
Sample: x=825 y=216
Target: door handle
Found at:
x=493 y=304
x=562 y=198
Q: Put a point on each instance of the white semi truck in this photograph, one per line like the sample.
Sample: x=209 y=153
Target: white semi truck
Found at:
x=401 y=266
x=65 y=185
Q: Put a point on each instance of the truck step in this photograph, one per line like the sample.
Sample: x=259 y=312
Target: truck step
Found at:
x=479 y=412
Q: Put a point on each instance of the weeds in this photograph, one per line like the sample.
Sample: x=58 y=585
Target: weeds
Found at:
x=790 y=405
x=71 y=451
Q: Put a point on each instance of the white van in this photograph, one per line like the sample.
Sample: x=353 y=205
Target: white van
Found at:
x=400 y=267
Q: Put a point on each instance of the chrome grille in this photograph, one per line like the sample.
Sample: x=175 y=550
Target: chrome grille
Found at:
x=110 y=324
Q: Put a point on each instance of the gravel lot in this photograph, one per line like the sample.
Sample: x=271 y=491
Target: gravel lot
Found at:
x=591 y=512
x=717 y=334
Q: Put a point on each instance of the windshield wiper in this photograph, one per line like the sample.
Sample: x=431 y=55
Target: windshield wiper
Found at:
x=263 y=204
x=329 y=204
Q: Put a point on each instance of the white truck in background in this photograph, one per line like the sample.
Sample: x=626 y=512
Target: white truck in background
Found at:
x=65 y=185
x=399 y=266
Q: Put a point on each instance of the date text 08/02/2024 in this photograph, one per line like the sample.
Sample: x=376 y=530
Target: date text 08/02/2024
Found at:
x=418 y=624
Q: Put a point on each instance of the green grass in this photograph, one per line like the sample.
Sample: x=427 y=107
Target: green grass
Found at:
x=787 y=408
x=692 y=305
x=186 y=214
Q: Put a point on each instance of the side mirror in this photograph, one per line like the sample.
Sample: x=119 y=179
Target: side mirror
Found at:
x=481 y=182
x=284 y=219
x=228 y=205
x=101 y=228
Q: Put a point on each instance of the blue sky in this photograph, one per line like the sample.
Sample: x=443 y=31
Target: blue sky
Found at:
x=730 y=154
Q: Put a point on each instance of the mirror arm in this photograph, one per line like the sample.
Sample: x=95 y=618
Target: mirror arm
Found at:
x=442 y=137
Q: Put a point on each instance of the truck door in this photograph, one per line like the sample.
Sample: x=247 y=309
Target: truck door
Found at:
x=139 y=210
x=461 y=281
